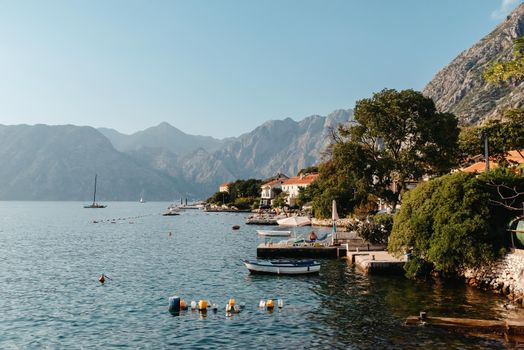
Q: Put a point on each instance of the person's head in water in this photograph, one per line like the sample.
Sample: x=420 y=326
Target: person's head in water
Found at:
x=312 y=236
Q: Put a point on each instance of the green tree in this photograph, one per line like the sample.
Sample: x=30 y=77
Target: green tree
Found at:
x=219 y=198
x=503 y=135
x=245 y=188
x=397 y=136
x=335 y=181
x=280 y=200
x=448 y=224
x=376 y=229
x=513 y=69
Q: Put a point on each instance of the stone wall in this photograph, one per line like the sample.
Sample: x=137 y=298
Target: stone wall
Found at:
x=506 y=277
x=342 y=223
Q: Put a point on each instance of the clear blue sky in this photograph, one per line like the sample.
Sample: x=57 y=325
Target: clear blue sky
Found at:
x=221 y=68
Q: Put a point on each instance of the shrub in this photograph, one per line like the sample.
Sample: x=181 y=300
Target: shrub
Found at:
x=376 y=229
x=447 y=223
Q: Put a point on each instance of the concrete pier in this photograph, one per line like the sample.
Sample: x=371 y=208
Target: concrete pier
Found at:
x=377 y=262
x=345 y=242
x=265 y=251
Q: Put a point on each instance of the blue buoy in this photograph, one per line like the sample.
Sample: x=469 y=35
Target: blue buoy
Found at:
x=174 y=304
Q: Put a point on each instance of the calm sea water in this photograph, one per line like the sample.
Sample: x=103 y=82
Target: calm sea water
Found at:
x=51 y=254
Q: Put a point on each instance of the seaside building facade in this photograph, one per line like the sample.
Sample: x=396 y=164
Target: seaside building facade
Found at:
x=224 y=187
x=292 y=186
x=271 y=187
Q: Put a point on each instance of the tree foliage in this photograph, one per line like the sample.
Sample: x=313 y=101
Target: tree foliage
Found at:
x=280 y=200
x=376 y=229
x=242 y=193
x=513 y=69
x=504 y=135
x=219 y=198
x=397 y=136
x=449 y=223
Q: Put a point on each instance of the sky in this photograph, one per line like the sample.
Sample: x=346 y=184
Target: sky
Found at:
x=221 y=67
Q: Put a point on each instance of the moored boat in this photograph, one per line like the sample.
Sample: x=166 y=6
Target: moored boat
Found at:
x=283 y=267
x=171 y=211
x=269 y=233
x=95 y=205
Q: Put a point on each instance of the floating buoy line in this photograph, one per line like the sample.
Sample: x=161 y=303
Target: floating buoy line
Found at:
x=178 y=305
x=116 y=220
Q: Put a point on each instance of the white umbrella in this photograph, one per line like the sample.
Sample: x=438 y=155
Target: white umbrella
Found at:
x=334 y=215
x=294 y=221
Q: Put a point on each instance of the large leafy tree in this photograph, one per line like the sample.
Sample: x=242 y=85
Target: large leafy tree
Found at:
x=397 y=136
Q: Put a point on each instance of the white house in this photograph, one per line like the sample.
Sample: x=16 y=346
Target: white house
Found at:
x=269 y=187
x=292 y=185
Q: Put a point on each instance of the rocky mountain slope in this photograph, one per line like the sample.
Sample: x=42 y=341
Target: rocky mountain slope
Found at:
x=44 y=162
x=276 y=146
x=459 y=87
x=164 y=136
x=59 y=163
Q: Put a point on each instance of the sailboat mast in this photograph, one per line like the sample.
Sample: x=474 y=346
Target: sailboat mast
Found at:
x=94 y=194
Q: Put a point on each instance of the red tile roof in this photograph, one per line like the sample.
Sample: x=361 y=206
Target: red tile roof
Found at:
x=479 y=167
x=301 y=180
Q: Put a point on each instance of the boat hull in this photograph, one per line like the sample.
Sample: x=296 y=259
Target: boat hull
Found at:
x=268 y=233
x=288 y=268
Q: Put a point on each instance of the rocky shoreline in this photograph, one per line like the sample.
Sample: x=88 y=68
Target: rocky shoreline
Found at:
x=505 y=277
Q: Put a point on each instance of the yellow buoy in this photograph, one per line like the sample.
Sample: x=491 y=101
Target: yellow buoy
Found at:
x=202 y=305
x=269 y=304
x=183 y=304
x=231 y=302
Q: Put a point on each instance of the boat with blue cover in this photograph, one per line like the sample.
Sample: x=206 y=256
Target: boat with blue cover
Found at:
x=283 y=267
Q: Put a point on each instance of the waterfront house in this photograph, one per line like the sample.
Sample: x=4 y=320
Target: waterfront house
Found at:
x=224 y=187
x=292 y=185
x=271 y=187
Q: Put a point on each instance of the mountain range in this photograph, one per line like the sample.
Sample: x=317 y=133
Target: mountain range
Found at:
x=43 y=162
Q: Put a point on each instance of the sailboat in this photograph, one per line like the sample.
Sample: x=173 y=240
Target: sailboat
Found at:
x=142 y=200
x=95 y=204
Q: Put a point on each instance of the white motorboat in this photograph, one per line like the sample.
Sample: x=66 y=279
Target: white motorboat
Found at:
x=283 y=267
x=269 y=233
x=295 y=221
x=171 y=211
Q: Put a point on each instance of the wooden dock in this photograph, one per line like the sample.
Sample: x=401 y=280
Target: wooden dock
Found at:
x=501 y=328
x=377 y=262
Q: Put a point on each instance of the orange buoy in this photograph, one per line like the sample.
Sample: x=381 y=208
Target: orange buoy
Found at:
x=102 y=279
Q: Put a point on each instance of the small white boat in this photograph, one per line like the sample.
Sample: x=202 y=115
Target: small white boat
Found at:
x=171 y=211
x=283 y=267
x=294 y=221
x=268 y=233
